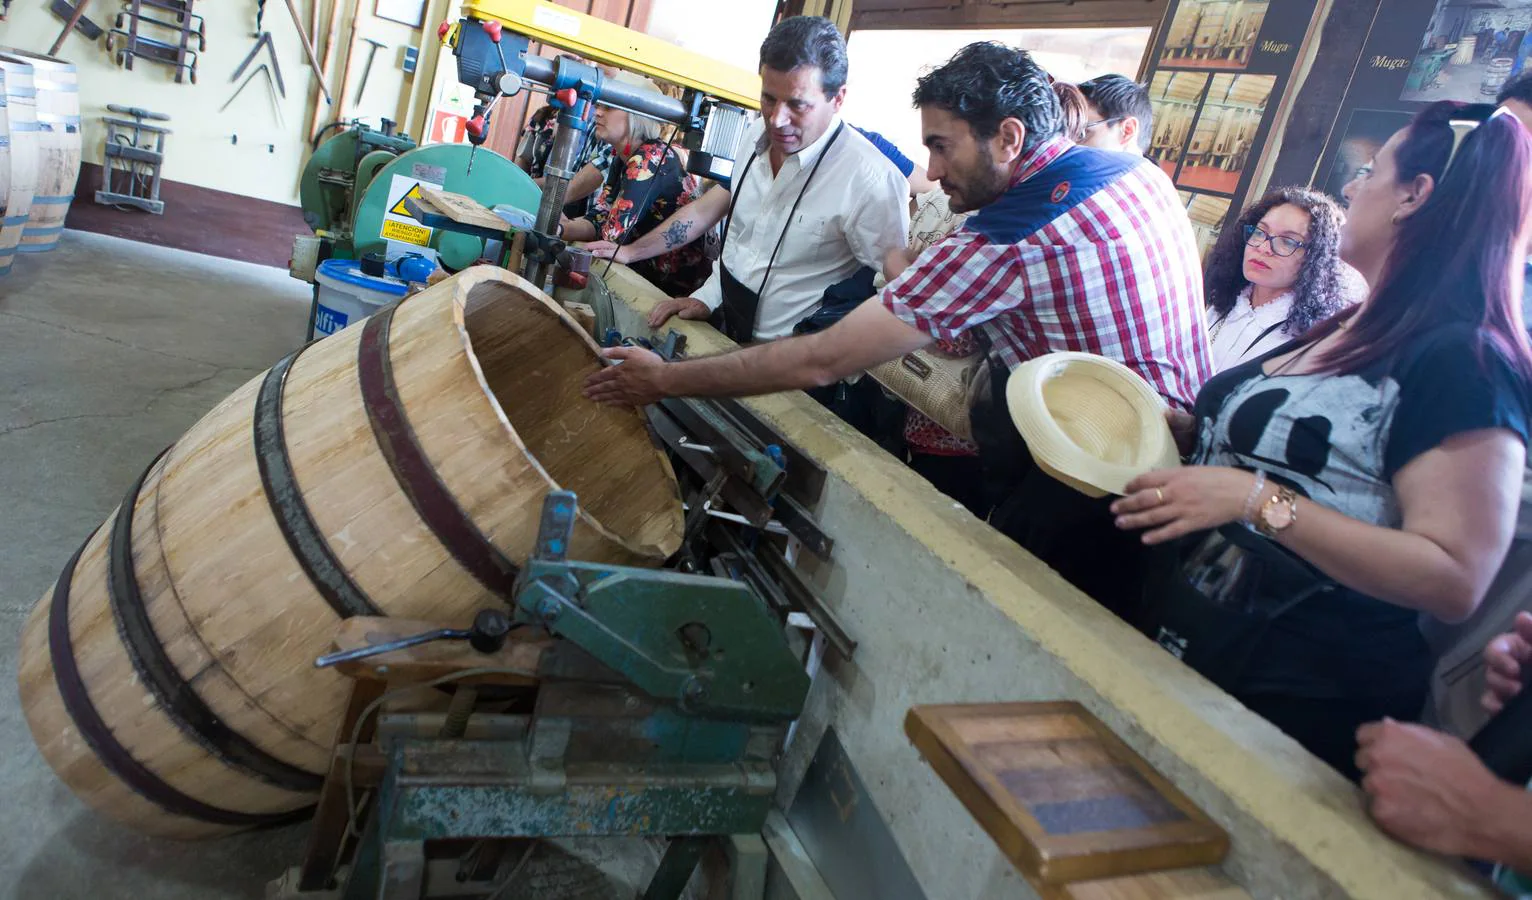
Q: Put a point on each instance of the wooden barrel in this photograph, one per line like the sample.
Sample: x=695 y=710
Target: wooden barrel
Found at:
x=1495 y=75
x=18 y=155
x=397 y=467
x=58 y=147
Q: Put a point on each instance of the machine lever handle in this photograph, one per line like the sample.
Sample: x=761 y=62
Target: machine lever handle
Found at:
x=490 y=626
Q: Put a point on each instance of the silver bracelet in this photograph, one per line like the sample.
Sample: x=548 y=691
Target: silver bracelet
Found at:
x=1255 y=494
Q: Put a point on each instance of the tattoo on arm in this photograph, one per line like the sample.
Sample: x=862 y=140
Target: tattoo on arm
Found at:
x=677 y=234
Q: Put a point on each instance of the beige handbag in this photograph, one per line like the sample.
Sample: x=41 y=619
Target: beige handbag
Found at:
x=935 y=384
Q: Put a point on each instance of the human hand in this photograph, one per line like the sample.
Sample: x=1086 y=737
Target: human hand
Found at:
x=1504 y=659
x=635 y=379
x=609 y=250
x=1183 y=428
x=1176 y=502
x=685 y=307
x=1424 y=787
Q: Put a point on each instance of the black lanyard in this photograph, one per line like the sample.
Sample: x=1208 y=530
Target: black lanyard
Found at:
x=734 y=199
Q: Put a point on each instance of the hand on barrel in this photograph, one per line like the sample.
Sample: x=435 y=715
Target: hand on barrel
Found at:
x=633 y=380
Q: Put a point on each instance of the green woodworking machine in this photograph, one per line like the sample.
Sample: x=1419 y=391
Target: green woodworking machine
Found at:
x=353 y=188
x=602 y=701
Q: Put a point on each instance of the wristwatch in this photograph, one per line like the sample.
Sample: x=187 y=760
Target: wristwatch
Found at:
x=1278 y=513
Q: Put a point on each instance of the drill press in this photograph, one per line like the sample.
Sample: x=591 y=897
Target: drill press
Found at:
x=492 y=44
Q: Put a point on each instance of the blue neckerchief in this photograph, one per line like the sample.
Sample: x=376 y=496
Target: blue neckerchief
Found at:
x=1053 y=190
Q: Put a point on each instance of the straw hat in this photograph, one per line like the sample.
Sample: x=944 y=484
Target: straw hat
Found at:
x=1090 y=422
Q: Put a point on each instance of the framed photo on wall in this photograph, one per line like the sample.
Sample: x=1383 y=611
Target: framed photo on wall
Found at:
x=406 y=12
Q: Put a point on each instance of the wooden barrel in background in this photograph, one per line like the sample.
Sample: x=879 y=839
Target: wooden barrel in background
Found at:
x=18 y=155
x=58 y=147
x=398 y=468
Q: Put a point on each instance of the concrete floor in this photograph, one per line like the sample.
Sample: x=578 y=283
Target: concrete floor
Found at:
x=109 y=350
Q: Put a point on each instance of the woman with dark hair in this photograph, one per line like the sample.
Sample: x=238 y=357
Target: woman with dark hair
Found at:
x=1369 y=471
x=1275 y=274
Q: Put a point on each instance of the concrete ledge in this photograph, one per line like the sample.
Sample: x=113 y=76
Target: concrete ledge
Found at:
x=948 y=610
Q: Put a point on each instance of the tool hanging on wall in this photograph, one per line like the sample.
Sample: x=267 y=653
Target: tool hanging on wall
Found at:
x=65 y=11
x=172 y=48
x=132 y=162
x=271 y=51
x=372 y=54
x=74 y=19
x=271 y=85
x=308 y=50
x=328 y=60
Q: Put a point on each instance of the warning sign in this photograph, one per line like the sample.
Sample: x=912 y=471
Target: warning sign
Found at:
x=399 y=209
x=403 y=231
x=418 y=235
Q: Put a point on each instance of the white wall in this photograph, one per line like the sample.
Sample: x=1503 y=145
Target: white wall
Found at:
x=269 y=156
x=885 y=64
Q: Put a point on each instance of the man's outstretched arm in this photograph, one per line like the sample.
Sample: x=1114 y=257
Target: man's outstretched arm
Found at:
x=868 y=336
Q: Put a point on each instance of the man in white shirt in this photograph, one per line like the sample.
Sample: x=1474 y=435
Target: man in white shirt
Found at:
x=814 y=200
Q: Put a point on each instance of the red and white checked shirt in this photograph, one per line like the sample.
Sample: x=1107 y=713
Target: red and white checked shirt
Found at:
x=1117 y=275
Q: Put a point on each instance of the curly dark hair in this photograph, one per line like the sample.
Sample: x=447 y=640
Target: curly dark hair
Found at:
x=1317 y=292
x=985 y=83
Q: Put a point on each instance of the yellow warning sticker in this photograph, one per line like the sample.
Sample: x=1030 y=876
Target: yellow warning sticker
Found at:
x=399 y=209
x=409 y=234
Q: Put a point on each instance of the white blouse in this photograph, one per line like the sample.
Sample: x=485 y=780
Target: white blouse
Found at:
x=1248 y=331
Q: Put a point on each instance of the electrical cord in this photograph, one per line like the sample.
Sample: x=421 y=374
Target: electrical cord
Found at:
x=353 y=809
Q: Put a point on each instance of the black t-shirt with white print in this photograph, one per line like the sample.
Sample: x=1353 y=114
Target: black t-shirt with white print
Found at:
x=1339 y=440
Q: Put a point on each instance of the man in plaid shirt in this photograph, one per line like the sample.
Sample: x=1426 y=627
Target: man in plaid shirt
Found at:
x=1071 y=248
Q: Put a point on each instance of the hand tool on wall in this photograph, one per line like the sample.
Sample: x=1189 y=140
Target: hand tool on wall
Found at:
x=66 y=10
x=74 y=19
x=328 y=60
x=342 y=110
x=271 y=51
x=308 y=49
x=372 y=54
x=271 y=85
x=173 y=49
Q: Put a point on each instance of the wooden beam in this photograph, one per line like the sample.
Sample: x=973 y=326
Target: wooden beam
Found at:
x=1031 y=14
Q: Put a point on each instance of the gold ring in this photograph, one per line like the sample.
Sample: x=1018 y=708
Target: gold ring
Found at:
x=1159 y=493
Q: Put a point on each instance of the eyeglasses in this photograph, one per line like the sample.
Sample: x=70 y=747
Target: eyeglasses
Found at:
x=1280 y=244
x=1099 y=122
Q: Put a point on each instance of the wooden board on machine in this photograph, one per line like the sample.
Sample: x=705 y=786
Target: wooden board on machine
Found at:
x=465 y=210
x=1062 y=796
x=1179 y=884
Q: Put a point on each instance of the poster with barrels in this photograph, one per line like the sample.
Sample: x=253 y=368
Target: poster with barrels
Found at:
x=1221 y=69
x=39 y=151
x=1419 y=52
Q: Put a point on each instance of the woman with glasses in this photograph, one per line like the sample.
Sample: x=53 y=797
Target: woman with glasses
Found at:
x=1276 y=273
x=1368 y=472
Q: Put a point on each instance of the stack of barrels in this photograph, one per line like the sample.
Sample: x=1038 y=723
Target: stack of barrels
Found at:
x=39 y=151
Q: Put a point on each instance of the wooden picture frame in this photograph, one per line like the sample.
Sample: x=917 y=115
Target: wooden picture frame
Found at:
x=405 y=12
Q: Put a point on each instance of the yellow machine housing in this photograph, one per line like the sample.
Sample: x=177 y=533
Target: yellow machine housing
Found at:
x=611 y=44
